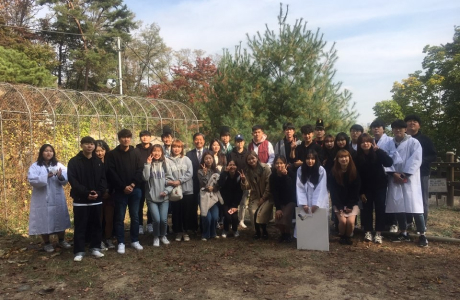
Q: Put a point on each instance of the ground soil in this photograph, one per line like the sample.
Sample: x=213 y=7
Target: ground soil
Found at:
x=236 y=268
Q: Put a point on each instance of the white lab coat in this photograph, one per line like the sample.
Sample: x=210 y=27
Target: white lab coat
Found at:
x=407 y=158
x=48 y=206
x=383 y=142
x=307 y=194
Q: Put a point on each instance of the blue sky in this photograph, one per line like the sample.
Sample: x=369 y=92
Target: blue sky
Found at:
x=378 y=42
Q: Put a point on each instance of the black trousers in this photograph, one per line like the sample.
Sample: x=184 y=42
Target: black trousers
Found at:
x=230 y=219
x=87 y=220
x=191 y=212
x=179 y=214
x=375 y=198
x=141 y=209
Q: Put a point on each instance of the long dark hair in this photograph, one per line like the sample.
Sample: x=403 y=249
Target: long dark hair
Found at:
x=342 y=136
x=41 y=161
x=283 y=159
x=259 y=169
x=361 y=156
x=310 y=173
x=220 y=155
x=337 y=169
x=213 y=166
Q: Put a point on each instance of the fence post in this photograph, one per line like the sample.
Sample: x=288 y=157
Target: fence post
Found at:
x=450 y=178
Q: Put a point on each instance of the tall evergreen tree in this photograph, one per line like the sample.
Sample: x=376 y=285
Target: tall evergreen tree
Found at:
x=288 y=75
x=87 y=58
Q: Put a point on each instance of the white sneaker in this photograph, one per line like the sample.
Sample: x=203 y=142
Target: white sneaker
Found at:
x=149 y=228
x=97 y=254
x=141 y=229
x=178 y=237
x=224 y=234
x=186 y=238
x=242 y=225
x=394 y=228
x=377 y=238
x=164 y=240
x=103 y=247
x=121 y=248
x=156 y=242
x=78 y=257
x=137 y=246
x=368 y=236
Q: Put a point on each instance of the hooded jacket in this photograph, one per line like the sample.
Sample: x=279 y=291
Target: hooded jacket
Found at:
x=238 y=158
x=85 y=175
x=156 y=175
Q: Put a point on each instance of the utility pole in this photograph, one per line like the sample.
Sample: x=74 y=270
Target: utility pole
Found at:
x=120 y=78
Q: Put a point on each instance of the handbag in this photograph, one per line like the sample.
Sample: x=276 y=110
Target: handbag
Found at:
x=176 y=194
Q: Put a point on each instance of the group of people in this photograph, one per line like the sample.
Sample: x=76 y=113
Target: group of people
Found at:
x=365 y=174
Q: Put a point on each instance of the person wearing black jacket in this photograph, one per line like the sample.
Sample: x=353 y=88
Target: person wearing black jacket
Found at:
x=344 y=185
x=86 y=174
x=370 y=161
x=125 y=176
x=231 y=192
x=195 y=156
x=282 y=186
x=428 y=156
x=238 y=155
x=298 y=153
x=144 y=149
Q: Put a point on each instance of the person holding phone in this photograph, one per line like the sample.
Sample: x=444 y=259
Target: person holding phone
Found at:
x=87 y=177
x=344 y=185
x=231 y=192
x=282 y=186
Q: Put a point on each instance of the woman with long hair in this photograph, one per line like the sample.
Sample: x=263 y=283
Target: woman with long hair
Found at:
x=215 y=147
x=157 y=173
x=344 y=185
x=208 y=176
x=48 y=207
x=282 y=186
x=182 y=172
x=256 y=179
x=369 y=161
x=108 y=205
x=230 y=189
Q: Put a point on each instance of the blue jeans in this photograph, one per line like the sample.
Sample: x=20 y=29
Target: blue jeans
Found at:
x=159 y=212
x=132 y=201
x=209 y=222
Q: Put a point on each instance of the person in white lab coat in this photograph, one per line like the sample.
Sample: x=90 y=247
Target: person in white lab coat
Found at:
x=311 y=184
x=48 y=208
x=404 y=187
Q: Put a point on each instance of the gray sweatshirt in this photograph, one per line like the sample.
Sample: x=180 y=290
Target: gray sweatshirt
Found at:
x=182 y=170
x=156 y=175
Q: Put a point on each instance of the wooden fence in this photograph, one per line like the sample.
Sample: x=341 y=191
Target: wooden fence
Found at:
x=448 y=171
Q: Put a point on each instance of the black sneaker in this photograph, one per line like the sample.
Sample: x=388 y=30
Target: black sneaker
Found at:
x=265 y=236
x=401 y=238
x=348 y=240
x=422 y=241
x=343 y=240
x=256 y=236
x=282 y=238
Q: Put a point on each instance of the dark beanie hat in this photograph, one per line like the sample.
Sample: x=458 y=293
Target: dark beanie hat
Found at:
x=413 y=117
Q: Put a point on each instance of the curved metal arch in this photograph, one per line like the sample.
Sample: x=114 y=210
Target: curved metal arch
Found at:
x=74 y=107
x=154 y=107
x=52 y=109
x=95 y=109
x=142 y=107
x=103 y=96
x=127 y=108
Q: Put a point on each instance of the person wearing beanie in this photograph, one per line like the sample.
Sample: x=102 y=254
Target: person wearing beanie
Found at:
x=428 y=156
x=319 y=132
x=404 y=188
